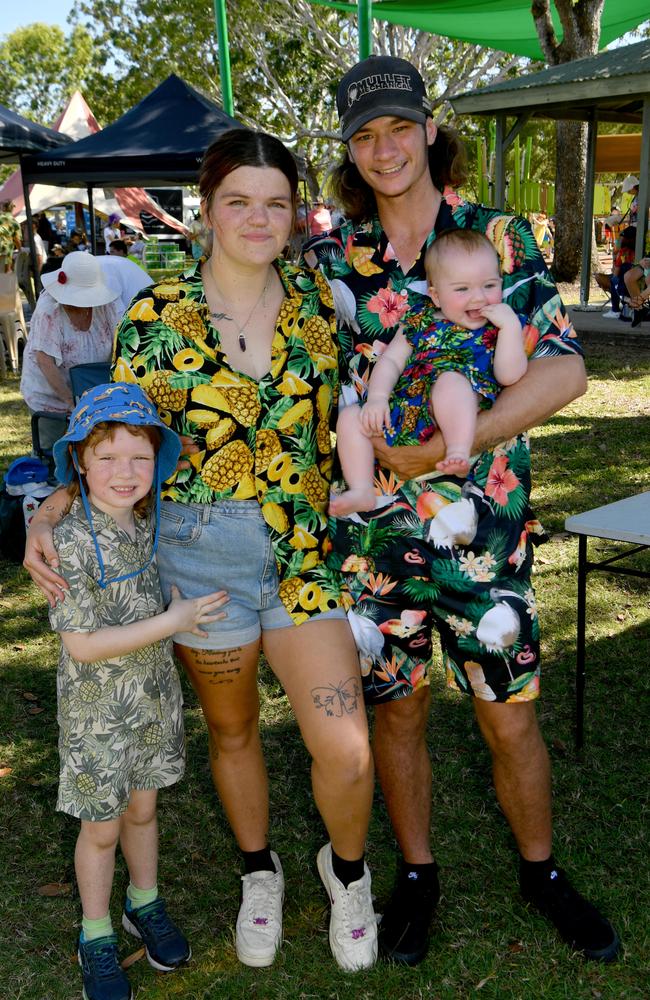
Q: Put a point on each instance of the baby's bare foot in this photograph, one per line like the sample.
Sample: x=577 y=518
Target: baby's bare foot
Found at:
x=454 y=464
x=351 y=501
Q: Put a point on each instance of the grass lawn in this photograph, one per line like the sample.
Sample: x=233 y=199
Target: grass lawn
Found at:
x=486 y=944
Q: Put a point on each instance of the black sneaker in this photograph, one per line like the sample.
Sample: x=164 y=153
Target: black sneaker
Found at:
x=404 y=927
x=166 y=947
x=103 y=978
x=579 y=923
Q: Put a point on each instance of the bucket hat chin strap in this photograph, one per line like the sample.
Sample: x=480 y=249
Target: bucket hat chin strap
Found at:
x=103 y=581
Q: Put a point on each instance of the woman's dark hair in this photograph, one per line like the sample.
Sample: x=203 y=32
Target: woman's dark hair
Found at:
x=447 y=165
x=242 y=147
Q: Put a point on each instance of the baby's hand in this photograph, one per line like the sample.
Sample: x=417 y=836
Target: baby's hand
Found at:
x=500 y=314
x=188 y=613
x=375 y=415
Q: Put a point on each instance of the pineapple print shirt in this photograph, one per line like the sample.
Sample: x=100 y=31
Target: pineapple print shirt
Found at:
x=141 y=689
x=373 y=297
x=266 y=440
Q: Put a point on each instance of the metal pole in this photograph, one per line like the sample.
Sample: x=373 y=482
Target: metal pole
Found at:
x=91 y=213
x=224 y=56
x=588 y=221
x=364 y=8
x=580 y=640
x=30 y=237
x=644 y=192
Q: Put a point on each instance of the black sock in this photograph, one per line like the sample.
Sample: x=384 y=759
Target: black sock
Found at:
x=347 y=871
x=418 y=878
x=534 y=873
x=258 y=861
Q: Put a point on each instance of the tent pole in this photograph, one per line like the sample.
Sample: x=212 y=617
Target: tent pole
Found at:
x=644 y=191
x=224 y=56
x=588 y=222
x=364 y=17
x=91 y=212
x=30 y=232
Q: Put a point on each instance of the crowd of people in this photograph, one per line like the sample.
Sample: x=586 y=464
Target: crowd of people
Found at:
x=413 y=306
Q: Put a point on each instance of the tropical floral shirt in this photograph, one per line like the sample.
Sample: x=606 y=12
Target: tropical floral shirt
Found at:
x=268 y=440
x=9 y=229
x=124 y=692
x=372 y=296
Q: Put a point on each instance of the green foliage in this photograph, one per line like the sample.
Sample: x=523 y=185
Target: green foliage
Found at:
x=41 y=67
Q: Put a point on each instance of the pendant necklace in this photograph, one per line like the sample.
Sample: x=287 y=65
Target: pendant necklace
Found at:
x=241 y=339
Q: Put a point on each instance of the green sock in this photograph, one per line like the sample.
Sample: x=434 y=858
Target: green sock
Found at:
x=92 y=929
x=140 y=897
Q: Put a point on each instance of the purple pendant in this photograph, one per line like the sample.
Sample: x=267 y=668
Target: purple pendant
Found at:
x=242 y=342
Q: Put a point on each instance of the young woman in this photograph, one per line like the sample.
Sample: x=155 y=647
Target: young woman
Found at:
x=239 y=354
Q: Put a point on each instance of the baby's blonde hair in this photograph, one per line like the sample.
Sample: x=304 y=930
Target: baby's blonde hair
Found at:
x=455 y=239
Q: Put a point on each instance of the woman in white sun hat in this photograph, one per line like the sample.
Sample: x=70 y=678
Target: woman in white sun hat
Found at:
x=73 y=324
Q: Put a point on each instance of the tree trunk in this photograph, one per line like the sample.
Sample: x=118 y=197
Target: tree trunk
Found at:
x=571 y=139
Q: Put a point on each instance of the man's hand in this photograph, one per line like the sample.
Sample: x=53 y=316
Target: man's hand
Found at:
x=410 y=461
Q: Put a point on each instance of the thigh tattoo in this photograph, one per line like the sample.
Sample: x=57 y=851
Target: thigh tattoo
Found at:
x=338 y=699
x=218 y=666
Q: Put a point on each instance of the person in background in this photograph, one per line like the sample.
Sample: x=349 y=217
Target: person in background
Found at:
x=631 y=187
x=54 y=259
x=111 y=231
x=73 y=323
x=10 y=237
x=319 y=219
x=397 y=183
x=622 y=261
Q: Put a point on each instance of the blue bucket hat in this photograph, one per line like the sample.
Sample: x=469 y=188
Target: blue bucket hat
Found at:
x=124 y=403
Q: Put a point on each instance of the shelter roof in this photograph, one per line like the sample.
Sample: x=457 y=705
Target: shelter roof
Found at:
x=158 y=142
x=613 y=82
x=19 y=135
x=506 y=25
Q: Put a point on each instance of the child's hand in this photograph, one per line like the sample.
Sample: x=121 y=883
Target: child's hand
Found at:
x=500 y=314
x=188 y=613
x=375 y=415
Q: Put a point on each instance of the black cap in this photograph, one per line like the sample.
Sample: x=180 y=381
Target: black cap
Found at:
x=380 y=85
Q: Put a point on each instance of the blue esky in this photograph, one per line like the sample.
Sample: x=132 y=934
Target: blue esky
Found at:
x=18 y=14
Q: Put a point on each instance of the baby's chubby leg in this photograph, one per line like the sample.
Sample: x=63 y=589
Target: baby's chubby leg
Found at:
x=454 y=404
x=357 y=461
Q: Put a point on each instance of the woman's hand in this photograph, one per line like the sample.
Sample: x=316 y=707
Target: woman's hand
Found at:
x=41 y=559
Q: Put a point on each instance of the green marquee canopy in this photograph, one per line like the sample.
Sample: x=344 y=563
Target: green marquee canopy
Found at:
x=506 y=25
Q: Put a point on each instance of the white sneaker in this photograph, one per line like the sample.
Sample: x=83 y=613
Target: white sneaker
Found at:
x=353 y=924
x=611 y=314
x=258 y=934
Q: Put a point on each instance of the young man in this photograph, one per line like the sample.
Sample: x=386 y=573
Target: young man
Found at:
x=408 y=574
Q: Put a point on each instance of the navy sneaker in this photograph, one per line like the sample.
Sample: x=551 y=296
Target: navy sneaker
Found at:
x=405 y=926
x=102 y=976
x=579 y=923
x=166 y=947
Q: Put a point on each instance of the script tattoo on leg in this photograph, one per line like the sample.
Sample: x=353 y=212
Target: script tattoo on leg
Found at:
x=218 y=666
x=338 y=699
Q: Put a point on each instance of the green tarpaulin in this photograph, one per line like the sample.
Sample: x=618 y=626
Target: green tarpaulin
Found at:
x=506 y=25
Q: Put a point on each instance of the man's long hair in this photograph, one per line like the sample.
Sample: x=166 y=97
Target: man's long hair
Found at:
x=447 y=164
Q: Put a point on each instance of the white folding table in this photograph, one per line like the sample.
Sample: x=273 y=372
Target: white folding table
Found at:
x=624 y=521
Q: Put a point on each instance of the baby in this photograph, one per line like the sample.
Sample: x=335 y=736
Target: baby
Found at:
x=436 y=375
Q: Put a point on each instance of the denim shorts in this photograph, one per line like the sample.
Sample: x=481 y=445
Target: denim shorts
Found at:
x=224 y=546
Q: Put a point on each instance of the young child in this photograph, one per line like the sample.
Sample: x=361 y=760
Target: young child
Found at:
x=438 y=373
x=119 y=697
